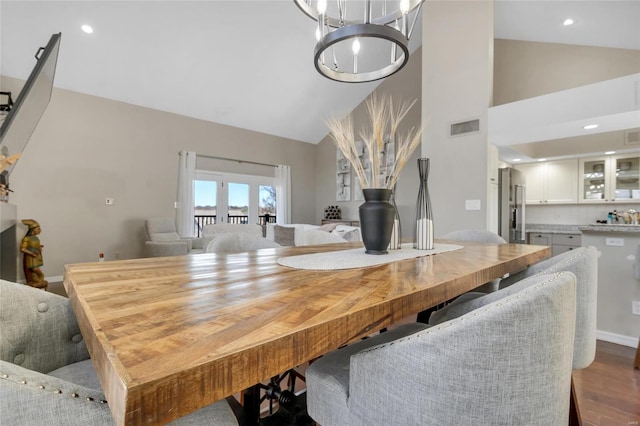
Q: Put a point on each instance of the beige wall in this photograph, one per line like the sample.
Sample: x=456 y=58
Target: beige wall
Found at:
x=457 y=61
x=87 y=148
x=405 y=85
x=524 y=69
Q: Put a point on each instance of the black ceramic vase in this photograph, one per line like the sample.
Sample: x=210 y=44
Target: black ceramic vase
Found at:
x=376 y=220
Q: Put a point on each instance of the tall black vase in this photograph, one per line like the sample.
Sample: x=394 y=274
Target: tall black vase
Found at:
x=376 y=220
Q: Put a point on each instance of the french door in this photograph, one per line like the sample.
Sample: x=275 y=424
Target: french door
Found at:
x=233 y=198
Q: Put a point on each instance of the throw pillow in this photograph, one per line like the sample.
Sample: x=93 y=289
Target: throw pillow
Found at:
x=353 y=235
x=328 y=227
x=284 y=235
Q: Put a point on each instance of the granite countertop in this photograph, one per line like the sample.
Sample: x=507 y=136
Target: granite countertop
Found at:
x=598 y=227
x=553 y=229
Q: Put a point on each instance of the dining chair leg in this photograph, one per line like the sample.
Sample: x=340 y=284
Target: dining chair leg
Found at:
x=574 y=411
x=636 y=363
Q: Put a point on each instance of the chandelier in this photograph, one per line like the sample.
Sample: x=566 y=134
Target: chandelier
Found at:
x=361 y=40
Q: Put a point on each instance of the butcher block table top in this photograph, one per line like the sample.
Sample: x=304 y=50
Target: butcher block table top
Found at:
x=171 y=335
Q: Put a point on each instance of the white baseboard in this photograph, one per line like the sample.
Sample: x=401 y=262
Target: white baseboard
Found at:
x=57 y=279
x=618 y=339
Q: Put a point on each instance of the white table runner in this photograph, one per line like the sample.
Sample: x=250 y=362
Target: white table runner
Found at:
x=357 y=258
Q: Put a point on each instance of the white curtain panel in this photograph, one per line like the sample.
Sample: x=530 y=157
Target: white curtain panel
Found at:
x=185 y=205
x=283 y=194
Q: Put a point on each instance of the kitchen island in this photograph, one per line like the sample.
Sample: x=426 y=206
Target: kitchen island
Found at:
x=617 y=285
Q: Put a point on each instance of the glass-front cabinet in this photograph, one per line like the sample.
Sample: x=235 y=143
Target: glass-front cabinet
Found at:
x=626 y=185
x=610 y=178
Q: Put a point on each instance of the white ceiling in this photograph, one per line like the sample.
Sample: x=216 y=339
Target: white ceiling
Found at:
x=244 y=63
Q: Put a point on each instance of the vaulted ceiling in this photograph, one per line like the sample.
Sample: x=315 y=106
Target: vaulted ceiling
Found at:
x=247 y=64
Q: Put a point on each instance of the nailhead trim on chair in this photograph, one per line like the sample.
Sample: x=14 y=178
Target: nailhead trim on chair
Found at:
x=56 y=391
x=462 y=318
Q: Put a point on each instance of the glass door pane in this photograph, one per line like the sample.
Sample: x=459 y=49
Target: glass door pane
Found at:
x=238 y=202
x=267 y=204
x=594 y=181
x=626 y=181
x=206 y=206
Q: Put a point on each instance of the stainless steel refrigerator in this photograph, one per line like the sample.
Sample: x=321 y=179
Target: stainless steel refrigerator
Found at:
x=511 y=205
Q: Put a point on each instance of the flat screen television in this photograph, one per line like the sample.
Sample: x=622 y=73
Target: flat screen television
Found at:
x=30 y=104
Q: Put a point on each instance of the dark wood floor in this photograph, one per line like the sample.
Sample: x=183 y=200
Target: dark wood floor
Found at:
x=608 y=390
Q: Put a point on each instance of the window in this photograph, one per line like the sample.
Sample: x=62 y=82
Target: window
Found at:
x=233 y=198
x=238 y=204
x=267 y=204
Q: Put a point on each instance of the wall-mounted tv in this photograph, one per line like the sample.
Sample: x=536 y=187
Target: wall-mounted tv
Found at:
x=30 y=104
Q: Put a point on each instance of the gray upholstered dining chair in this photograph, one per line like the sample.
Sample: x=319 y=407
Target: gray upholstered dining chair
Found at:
x=480 y=236
x=163 y=239
x=507 y=363
x=476 y=235
x=583 y=262
x=46 y=375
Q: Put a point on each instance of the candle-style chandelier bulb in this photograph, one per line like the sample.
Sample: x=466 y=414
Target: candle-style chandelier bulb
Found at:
x=355 y=47
x=404 y=6
x=322 y=7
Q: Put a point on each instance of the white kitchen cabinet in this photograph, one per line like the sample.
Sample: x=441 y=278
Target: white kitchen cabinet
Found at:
x=533 y=177
x=540 y=239
x=551 y=182
x=609 y=179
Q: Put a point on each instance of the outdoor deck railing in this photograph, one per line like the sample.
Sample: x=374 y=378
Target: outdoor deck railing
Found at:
x=199 y=221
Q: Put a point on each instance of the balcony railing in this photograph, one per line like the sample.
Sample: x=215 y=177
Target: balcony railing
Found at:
x=199 y=221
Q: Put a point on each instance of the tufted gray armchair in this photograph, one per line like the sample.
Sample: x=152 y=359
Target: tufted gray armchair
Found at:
x=46 y=375
x=163 y=239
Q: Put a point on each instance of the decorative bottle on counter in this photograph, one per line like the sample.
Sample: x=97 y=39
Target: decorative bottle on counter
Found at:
x=424 y=215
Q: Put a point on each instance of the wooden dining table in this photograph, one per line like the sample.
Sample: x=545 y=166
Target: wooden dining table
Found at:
x=171 y=335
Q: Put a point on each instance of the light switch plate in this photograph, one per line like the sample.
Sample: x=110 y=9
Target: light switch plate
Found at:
x=472 y=204
x=635 y=307
x=619 y=242
x=108 y=201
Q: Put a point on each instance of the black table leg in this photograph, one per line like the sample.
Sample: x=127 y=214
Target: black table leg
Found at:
x=251 y=404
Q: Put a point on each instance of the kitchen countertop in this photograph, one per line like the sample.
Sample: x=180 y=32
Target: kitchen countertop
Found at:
x=597 y=227
x=553 y=229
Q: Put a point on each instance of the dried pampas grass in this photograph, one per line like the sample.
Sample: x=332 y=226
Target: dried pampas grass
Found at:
x=385 y=117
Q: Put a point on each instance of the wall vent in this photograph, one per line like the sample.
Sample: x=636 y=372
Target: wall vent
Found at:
x=632 y=137
x=465 y=127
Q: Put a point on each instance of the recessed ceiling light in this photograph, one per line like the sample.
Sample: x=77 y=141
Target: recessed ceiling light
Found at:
x=568 y=22
x=87 y=29
x=517 y=159
x=609 y=153
x=590 y=126
x=542 y=159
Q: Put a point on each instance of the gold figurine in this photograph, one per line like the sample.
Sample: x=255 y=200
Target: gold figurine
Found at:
x=32 y=259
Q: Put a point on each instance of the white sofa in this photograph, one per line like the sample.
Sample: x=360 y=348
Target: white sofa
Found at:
x=304 y=234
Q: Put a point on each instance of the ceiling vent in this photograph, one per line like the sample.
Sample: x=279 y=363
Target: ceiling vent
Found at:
x=632 y=137
x=465 y=127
